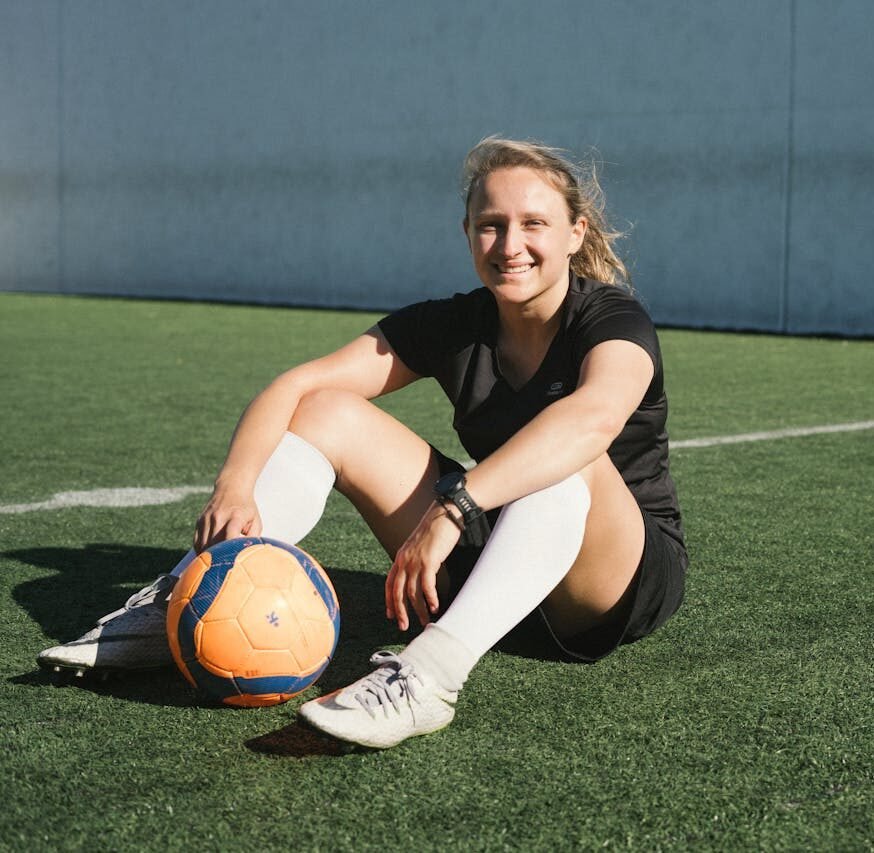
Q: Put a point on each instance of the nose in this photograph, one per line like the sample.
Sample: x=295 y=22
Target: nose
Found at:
x=512 y=241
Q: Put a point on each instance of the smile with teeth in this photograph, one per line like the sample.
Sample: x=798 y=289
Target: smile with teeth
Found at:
x=511 y=269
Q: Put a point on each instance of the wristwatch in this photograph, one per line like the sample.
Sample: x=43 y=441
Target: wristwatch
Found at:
x=449 y=489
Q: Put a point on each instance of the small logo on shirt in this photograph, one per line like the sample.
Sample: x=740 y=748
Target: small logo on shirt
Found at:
x=554 y=389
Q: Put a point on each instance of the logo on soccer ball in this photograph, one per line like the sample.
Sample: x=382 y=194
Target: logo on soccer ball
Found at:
x=273 y=619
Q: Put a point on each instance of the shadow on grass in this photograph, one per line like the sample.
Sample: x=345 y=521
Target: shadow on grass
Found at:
x=93 y=580
x=163 y=687
x=88 y=582
x=98 y=578
x=299 y=741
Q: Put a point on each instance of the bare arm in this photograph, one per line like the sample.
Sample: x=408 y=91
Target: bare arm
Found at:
x=366 y=366
x=572 y=432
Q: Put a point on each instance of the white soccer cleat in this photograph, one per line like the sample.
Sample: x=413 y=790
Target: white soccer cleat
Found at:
x=380 y=710
x=133 y=637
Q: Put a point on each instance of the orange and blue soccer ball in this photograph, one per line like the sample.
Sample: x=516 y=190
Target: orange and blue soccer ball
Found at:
x=253 y=621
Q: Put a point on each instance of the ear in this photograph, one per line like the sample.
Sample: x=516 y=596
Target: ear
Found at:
x=578 y=233
x=464 y=226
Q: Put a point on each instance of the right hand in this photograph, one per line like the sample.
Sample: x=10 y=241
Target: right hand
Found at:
x=226 y=516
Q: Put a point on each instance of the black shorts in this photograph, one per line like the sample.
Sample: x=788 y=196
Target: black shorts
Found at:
x=657 y=592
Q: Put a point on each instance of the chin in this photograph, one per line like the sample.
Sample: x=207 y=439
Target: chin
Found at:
x=513 y=295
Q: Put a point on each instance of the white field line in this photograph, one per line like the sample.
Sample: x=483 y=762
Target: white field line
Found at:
x=791 y=432
x=137 y=497
x=107 y=498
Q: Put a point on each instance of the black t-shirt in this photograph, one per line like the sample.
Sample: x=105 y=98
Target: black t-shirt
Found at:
x=455 y=341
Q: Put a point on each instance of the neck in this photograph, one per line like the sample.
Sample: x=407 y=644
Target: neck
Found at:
x=528 y=327
x=532 y=322
x=523 y=342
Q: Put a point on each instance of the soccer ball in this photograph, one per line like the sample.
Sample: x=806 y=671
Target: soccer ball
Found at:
x=253 y=621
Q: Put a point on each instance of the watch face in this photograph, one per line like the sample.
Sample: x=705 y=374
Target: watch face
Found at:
x=449 y=483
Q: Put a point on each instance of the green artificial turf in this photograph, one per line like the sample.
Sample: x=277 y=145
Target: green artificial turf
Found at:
x=744 y=724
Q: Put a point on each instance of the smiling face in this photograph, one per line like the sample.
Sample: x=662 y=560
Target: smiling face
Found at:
x=521 y=238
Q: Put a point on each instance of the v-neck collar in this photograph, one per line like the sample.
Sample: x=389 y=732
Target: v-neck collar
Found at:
x=494 y=328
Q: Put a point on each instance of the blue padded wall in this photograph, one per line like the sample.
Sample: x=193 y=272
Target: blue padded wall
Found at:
x=291 y=152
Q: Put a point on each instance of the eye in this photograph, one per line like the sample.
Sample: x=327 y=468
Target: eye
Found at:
x=486 y=227
x=535 y=223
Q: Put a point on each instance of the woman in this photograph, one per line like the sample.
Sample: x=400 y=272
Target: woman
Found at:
x=555 y=376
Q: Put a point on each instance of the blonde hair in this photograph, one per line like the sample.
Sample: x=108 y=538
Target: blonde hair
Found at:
x=577 y=183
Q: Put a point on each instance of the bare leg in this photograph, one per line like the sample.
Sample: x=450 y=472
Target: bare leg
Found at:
x=383 y=467
x=597 y=584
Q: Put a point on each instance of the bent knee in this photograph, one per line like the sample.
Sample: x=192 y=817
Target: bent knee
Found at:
x=325 y=416
x=325 y=404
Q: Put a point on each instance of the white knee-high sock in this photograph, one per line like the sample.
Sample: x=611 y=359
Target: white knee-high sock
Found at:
x=532 y=547
x=290 y=492
x=292 y=489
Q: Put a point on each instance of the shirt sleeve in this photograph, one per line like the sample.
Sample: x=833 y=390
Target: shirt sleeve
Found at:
x=613 y=314
x=420 y=334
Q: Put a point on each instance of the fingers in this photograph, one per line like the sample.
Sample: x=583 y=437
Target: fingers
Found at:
x=202 y=532
x=416 y=599
x=217 y=525
x=390 y=612
x=394 y=593
x=410 y=586
x=429 y=591
x=412 y=579
x=236 y=525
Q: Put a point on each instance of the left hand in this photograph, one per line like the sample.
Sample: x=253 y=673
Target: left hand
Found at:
x=413 y=575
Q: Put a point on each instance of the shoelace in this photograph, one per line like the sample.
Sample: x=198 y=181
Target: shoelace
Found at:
x=387 y=685
x=147 y=595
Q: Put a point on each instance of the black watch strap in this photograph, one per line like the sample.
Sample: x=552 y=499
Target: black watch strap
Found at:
x=450 y=488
